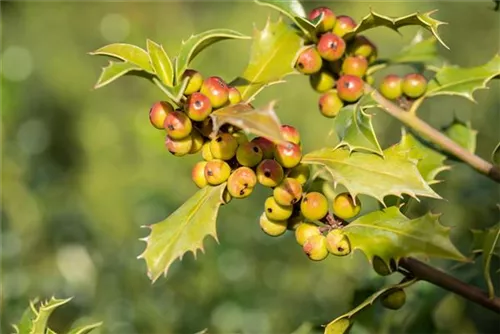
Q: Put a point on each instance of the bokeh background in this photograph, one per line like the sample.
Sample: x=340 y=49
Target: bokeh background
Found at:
x=83 y=169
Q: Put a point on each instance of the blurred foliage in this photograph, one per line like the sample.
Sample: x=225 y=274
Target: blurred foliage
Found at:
x=83 y=170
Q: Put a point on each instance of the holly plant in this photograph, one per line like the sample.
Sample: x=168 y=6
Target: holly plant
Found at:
x=242 y=146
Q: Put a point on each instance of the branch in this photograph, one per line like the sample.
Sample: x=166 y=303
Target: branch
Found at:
x=428 y=132
x=432 y=275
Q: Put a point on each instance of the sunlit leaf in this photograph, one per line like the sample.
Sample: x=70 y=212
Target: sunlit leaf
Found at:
x=462 y=134
x=126 y=52
x=183 y=231
x=175 y=93
x=495 y=155
x=162 y=65
x=25 y=324
x=114 y=71
x=374 y=20
x=371 y=174
x=197 y=43
x=46 y=308
x=260 y=121
x=487 y=243
x=85 y=329
x=273 y=56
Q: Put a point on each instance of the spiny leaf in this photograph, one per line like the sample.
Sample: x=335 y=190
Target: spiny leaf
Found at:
x=495 y=155
x=374 y=20
x=391 y=235
x=183 y=231
x=197 y=43
x=430 y=162
x=126 y=52
x=46 y=308
x=26 y=322
x=273 y=56
x=113 y=71
x=261 y=121
x=371 y=174
x=462 y=134
x=162 y=65
x=85 y=329
x=487 y=242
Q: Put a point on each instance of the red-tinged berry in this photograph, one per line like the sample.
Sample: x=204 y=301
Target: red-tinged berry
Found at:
x=266 y=146
x=315 y=248
x=328 y=20
x=158 y=113
x=290 y=133
x=241 y=182
x=355 y=65
x=322 y=81
x=314 y=206
x=179 y=147
x=275 y=211
x=330 y=104
x=304 y=231
x=337 y=243
x=343 y=25
x=198 y=174
x=288 y=154
x=234 y=95
x=414 y=85
x=217 y=172
x=216 y=90
x=194 y=82
x=198 y=107
x=391 y=87
x=331 y=47
x=249 y=154
x=288 y=192
x=309 y=61
x=178 y=125
x=350 y=88
x=269 y=173
x=223 y=146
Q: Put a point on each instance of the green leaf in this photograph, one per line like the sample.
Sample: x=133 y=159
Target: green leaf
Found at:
x=26 y=322
x=487 y=242
x=261 y=121
x=175 y=93
x=354 y=127
x=114 y=71
x=430 y=162
x=462 y=134
x=391 y=235
x=197 y=43
x=162 y=65
x=39 y=325
x=273 y=56
x=339 y=326
x=371 y=174
x=183 y=231
x=126 y=52
x=374 y=20
x=85 y=329
x=495 y=155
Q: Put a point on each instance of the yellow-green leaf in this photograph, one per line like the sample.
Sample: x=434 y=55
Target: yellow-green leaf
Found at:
x=175 y=93
x=39 y=325
x=85 y=329
x=26 y=322
x=183 y=231
x=126 y=52
x=495 y=155
x=487 y=242
x=114 y=71
x=462 y=134
x=339 y=326
x=162 y=65
x=197 y=43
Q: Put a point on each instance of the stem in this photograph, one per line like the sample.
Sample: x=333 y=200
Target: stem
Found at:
x=432 y=275
x=425 y=130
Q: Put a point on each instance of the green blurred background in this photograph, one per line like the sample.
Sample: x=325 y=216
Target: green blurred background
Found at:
x=83 y=169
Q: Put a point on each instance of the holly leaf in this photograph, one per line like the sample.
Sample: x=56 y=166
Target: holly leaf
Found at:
x=85 y=329
x=273 y=56
x=162 y=65
x=261 y=121
x=39 y=324
x=197 y=43
x=430 y=162
x=183 y=231
x=495 y=155
x=114 y=71
x=371 y=174
x=174 y=93
x=128 y=53
x=462 y=134
x=26 y=322
x=374 y=20
x=487 y=243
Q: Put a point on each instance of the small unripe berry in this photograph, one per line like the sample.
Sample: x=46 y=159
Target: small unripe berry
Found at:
x=414 y=85
x=350 y=88
x=198 y=106
x=381 y=267
x=206 y=153
x=288 y=192
x=314 y=206
x=322 y=81
x=197 y=140
x=337 y=243
x=344 y=206
x=271 y=227
x=355 y=65
x=304 y=231
x=276 y=211
x=217 y=172
x=266 y=146
x=249 y=154
x=234 y=95
x=269 y=173
x=216 y=90
x=391 y=87
x=288 y=154
x=362 y=46
x=328 y=20
x=223 y=146
x=194 y=82
x=178 y=125
x=331 y=47
x=315 y=247
x=158 y=113
x=343 y=25
x=179 y=147
x=301 y=173
x=198 y=174
x=330 y=104
x=370 y=79
x=241 y=182
x=393 y=299
x=309 y=61
x=290 y=133
x=240 y=137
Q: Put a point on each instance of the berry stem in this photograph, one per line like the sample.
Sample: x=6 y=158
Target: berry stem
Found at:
x=428 y=132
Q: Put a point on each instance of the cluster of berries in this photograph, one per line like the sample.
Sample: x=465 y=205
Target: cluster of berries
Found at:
x=411 y=86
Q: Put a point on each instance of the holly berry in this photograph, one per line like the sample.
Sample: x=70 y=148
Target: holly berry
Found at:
x=198 y=106
x=158 y=113
x=393 y=299
x=350 y=88
x=206 y=153
x=269 y=173
x=179 y=147
x=178 y=125
x=234 y=95
x=197 y=142
x=343 y=25
x=314 y=206
x=309 y=61
x=216 y=90
x=344 y=206
x=381 y=267
x=206 y=126
x=240 y=137
x=198 y=174
x=241 y=182
x=328 y=20
x=288 y=154
x=300 y=173
x=217 y=172
x=271 y=227
x=304 y=231
x=249 y=154
x=275 y=211
x=290 y=133
x=223 y=146
x=355 y=65
x=266 y=146
x=414 y=85
x=337 y=243
x=331 y=47
x=288 y=192
x=194 y=82
x=362 y=46
x=315 y=247
x=391 y=87
x=322 y=81
x=330 y=104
